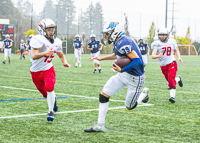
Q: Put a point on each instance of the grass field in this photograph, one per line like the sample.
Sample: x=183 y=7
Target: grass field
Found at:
x=162 y=122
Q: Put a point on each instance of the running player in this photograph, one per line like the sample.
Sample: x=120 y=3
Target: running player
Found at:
x=95 y=46
x=45 y=47
x=131 y=76
x=7 y=50
x=166 y=46
x=78 y=45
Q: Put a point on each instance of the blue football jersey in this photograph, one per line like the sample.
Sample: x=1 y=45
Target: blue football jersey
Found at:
x=29 y=47
x=94 y=45
x=124 y=46
x=7 y=43
x=143 y=48
x=77 y=43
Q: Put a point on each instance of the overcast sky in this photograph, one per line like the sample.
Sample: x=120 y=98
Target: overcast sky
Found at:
x=141 y=13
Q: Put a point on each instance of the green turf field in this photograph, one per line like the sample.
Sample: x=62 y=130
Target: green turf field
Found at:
x=162 y=122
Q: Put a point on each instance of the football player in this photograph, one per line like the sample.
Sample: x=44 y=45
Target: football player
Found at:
x=44 y=47
x=7 y=50
x=22 y=48
x=29 y=47
x=95 y=46
x=78 y=45
x=143 y=46
x=131 y=75
x=166 y=46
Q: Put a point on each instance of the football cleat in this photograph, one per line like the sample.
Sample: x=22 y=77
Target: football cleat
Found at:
x=96 y=128
x=50 y=116
x=99 y=70
x=146 y=91
x=76 y=65
x=55 y=108
x=172 y=100
x=79 y=65
x=95 y=70
x=180 y=83
x=4 y=62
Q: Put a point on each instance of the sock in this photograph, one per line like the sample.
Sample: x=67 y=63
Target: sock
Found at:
x=9 y=61
x=103 y=108
x=172 y=93
x=99 y=67
x=76 y=64
x=95 y=68
x=51 y=100
x=177 y=79
x=141 y=97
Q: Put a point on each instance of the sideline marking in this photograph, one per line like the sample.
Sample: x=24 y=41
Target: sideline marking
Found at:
x=28 y=99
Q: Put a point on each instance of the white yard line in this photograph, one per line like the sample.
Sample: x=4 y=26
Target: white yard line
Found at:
x=66 y=94
x=31 y=115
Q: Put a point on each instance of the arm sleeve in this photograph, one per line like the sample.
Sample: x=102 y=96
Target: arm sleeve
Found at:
x=35 y=42
x=136 y=62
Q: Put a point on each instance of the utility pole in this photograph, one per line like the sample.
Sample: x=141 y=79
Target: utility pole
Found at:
x=31 y=14
x=90 y=20
x=166 y=14
x=57 y=15
x=140 y=24
x=173 y=13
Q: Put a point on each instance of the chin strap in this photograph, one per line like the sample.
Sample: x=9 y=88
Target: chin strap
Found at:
x=51 y=38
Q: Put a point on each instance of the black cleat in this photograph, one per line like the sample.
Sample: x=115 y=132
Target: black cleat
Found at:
x=50 y=116
x=180 y=82
x=99 y=70
x=55 y=108
x=172 y=100
x=95 y=70
x=4 y=62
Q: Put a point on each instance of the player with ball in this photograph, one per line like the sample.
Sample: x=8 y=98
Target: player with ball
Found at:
x=131 y=75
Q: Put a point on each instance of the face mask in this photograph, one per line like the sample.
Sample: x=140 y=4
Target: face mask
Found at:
x=92 y=40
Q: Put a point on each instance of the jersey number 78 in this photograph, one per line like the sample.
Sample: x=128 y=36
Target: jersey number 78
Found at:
x=167 y=50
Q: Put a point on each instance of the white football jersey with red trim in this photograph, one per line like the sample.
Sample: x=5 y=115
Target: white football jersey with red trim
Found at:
x=167 y=49
x=40 y=42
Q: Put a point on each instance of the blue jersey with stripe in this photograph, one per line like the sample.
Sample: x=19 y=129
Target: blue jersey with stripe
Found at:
x=77 y=43
x=95 y=45
x=7 y=43
x=28 y=41
x=143 y=48
x=124 y=46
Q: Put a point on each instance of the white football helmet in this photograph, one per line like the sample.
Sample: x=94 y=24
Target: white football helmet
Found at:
x=77 y=36
x=22 y=40
x=7 y=36
x=47 y=23
x=92 y=36
x=115 y=29
x=163 y=31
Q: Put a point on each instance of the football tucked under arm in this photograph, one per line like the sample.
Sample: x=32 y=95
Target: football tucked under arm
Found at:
x=123 y=61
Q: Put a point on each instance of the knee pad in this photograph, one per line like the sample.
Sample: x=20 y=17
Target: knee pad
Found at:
x=103 y=99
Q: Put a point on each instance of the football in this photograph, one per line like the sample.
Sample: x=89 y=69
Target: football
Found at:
x=123 y=61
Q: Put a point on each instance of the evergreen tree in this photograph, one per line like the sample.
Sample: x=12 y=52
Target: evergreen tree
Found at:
x=152 y=32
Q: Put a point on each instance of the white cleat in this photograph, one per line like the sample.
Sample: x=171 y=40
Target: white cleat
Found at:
x=146 y=98
x=79 y=65
x=96 y=128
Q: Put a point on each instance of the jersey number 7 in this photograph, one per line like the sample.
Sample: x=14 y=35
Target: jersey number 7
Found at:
x=168 y=50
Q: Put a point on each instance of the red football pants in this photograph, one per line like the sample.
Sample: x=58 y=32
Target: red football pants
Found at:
x=44 y=80
x=169 y=72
